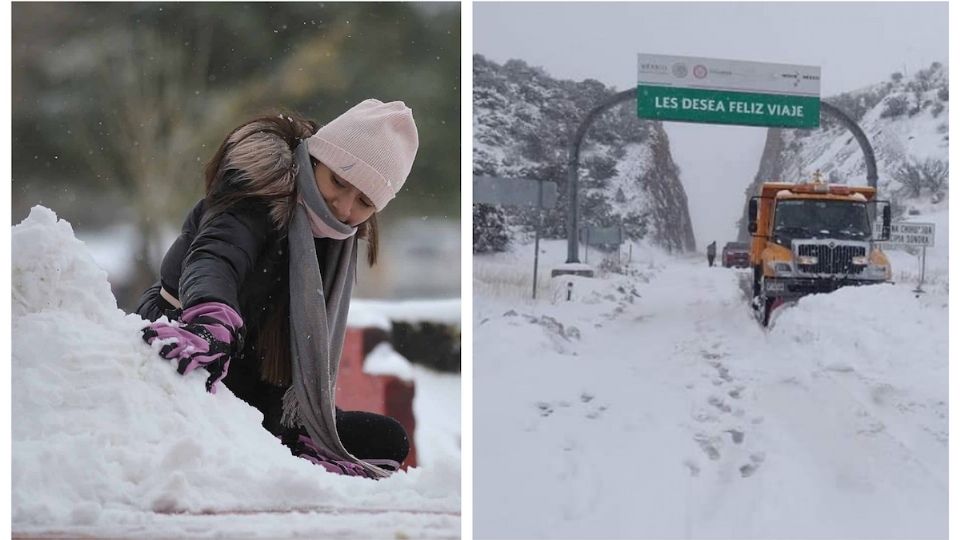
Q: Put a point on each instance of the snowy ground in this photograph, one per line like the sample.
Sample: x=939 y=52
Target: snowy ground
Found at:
x=109 y=442
x=652 y=405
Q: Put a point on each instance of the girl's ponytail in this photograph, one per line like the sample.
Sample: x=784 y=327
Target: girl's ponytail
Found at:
x=256 y=160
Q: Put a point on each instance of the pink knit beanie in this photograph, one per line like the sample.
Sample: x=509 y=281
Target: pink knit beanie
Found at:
x=372 y=146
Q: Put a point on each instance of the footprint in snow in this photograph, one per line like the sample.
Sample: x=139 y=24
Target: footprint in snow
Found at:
x=596 y=412
x=708 y=445
x=755 y=461
x=703 y=416
x=722 y=371
x=544 y=408
x=692 y=467
x=719 y=404
x=736 y=435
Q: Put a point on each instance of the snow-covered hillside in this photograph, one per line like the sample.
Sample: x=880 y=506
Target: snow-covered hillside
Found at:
x=653 y=405
x=906 y=121
x=523 y=123
x=109 y=441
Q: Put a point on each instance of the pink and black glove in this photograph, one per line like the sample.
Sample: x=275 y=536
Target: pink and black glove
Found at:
x=207 y=335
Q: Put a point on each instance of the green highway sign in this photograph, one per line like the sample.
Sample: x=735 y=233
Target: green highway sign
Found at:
x=720 y=107
x=713 y=91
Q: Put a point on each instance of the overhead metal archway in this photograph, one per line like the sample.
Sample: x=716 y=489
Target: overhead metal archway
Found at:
x=573 y=158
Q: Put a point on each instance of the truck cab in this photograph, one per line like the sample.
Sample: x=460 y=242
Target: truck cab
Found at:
x=814 y=238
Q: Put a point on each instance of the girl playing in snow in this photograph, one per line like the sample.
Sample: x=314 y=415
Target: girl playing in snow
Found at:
x=261 y=275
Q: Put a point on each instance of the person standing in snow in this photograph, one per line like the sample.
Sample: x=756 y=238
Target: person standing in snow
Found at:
x=260 y=279
x=711 y=252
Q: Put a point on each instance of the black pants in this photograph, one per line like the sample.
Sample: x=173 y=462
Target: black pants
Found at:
x=364 y=434
x=372 y=436
x=710 y=259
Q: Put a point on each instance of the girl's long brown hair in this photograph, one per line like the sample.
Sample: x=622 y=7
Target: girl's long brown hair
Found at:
x=255 y=160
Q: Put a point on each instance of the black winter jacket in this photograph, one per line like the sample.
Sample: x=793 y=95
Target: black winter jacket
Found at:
x=239 y=258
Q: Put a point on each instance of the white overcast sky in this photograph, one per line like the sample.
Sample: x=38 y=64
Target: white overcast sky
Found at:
x=854 y=43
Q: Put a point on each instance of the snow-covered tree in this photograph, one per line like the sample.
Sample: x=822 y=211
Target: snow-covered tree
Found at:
x=489 y=229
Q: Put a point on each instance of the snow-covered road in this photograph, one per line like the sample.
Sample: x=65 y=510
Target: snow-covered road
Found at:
x=653 y=405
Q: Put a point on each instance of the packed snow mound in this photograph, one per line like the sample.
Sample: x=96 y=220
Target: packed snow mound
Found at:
x=882 y=313
x=104 y=430
x=875 y=331
x=53 y=271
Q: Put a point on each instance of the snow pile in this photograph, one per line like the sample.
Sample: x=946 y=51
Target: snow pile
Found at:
x=383 y=360
x=107 y=436
x=883 y=332
x=656 y=406
x=437 y=410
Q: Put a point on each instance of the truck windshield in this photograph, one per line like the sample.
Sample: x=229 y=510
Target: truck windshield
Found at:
x=821 y=219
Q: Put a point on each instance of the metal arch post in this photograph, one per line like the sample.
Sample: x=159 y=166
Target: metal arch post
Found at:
x=573 y=169
x=868 y=155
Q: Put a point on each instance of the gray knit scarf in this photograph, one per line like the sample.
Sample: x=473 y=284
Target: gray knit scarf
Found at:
x=316 y=335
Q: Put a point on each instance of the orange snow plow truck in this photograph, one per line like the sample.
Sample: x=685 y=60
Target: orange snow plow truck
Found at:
x=814 y=238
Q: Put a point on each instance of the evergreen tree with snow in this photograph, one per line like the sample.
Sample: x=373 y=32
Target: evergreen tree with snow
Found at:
x=489 y=229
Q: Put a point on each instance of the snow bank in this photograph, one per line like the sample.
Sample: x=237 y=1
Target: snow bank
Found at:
x=106 y=434
x=379 y=314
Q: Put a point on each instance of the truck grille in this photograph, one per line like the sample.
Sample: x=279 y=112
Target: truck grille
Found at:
x=831 y=260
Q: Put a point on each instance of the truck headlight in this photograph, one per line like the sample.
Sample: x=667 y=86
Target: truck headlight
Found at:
x=807 y=260
x=859 y=261
x=781 y=268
